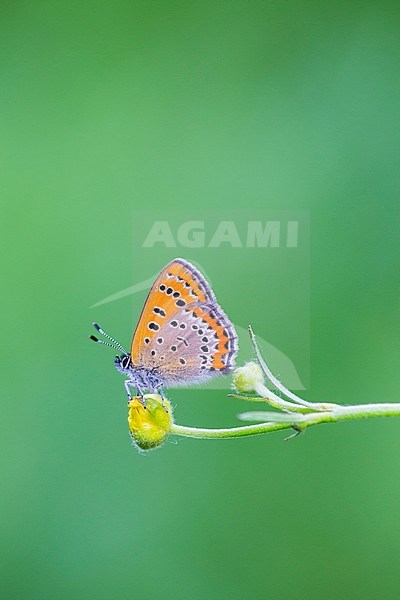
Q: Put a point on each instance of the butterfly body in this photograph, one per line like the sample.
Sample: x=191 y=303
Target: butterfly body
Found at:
x=183 y=336
x=141 y=378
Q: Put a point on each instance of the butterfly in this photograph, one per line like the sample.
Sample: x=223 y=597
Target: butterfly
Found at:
x=183 y=336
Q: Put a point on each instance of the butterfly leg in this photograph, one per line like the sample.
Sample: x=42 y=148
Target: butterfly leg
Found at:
x=140 y=396
x=160 y=391
x=128 y=383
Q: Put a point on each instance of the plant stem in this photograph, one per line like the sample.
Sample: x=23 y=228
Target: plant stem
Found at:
x=295 y=403
x=299 y=421
x=229 y=432
x=364 y=411
x=271 y=377
x=281 y=404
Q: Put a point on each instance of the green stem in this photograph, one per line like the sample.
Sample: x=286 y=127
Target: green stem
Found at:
x=363 y=411
x=271 y=377
x=229 y=432
x=300 y=421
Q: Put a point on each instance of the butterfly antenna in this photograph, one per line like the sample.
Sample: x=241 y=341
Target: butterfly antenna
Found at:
x=114 y=344
x=95 y=339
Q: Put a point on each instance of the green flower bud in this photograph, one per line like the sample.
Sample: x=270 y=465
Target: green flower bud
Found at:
x=149 y=423
x=248 y=377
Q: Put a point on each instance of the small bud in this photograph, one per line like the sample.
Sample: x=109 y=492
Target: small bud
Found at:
x=248 y=377
x=149 y=424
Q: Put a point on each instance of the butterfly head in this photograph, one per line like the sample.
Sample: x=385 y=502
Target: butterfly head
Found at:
x=123 y=363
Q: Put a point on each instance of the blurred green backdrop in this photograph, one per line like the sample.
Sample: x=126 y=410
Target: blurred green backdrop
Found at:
x=112 y=108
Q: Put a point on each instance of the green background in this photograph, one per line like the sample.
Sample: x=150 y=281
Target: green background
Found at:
x=112 y=108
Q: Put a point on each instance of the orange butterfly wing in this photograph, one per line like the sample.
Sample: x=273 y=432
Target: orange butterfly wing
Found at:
x=178 y=285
